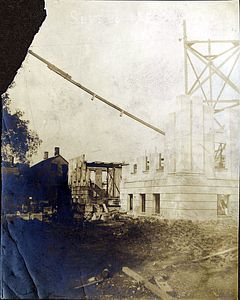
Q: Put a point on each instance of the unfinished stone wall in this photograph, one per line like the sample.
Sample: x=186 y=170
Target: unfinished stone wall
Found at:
x=189 y=184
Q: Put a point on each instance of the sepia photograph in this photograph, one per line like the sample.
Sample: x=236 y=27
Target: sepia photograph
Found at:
x=120 y=150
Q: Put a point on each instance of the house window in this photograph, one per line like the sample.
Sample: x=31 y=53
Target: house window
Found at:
x=143 y=202
x=130 y=202
x=54 y=167
x=157 y=203
x=223 y=205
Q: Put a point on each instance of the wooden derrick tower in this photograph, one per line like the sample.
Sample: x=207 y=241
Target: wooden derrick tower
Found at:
x=212 y=63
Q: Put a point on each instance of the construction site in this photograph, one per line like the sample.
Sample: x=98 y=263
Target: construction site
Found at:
x=196 y=177
x=159 y=226
x=95 y=189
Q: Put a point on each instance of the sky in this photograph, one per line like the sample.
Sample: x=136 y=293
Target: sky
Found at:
x=127 y=52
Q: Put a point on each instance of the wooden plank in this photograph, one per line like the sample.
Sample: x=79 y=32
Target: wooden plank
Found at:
x=215 y=254
x=87 y=284
x=153 y=288
x=105 y=208
x=133 y=274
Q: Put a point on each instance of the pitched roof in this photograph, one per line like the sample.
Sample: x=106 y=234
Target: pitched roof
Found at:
x=48 y=160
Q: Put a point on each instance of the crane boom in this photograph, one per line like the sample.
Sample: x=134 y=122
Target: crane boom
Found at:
x=69 y=78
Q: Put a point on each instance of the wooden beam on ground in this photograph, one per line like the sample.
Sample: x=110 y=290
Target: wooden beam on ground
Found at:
x=215 y=254
x=153 y=288
x=87 y=284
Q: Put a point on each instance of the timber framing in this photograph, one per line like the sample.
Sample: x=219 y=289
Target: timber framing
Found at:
x=210 y=68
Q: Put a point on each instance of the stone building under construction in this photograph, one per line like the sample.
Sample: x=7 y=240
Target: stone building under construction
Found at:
x=197 y=175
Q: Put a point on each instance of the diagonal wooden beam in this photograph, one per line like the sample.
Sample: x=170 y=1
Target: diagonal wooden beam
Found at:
x=219 y=124
x=189 y=92
x=215 y=70
x=215 y=254
x=197 y=77
x=224 y=52
x=216 y=111
x=218 y=55
x=229 y=82
x=153 y=288
x=225 y=81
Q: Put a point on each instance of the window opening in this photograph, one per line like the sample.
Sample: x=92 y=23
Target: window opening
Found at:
x=147 y=164
x=130 y=201
x=223 y=205
x=157 y=203
x=220 y=154
x=161 y=162
x=135 y=168
x=143 y=202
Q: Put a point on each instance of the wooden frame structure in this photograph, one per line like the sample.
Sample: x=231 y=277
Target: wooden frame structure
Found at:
x=209 y=64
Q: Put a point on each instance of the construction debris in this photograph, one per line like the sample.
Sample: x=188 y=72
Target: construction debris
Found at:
x=215 y=254
x=153 y=288
x=89 y=283
x=162 y=284
x=95 y=189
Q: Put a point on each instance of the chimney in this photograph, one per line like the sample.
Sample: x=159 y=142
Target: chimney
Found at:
x=45 y=156
x=57 y=152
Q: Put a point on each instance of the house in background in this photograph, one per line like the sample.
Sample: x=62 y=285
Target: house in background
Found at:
x=48 y=186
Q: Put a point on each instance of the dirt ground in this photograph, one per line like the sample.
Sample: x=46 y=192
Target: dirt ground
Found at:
x=153 y=247
x=150 y=247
